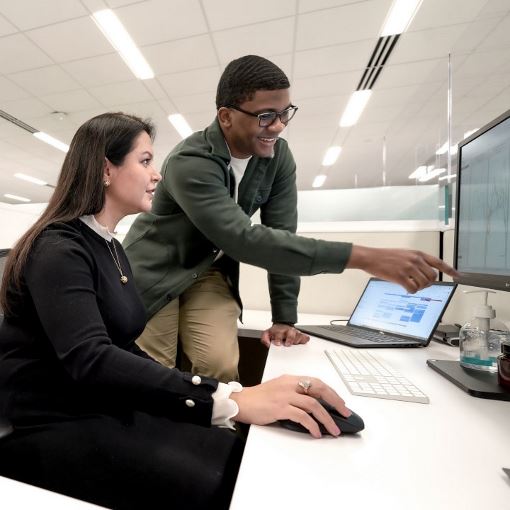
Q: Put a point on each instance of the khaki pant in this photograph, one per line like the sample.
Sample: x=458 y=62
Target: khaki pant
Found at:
x=204 y=320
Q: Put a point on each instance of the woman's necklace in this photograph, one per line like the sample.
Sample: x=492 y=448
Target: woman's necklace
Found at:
x=123 y=277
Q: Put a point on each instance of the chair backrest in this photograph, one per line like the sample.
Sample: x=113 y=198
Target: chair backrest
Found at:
x=5 y=425
x=3 y=258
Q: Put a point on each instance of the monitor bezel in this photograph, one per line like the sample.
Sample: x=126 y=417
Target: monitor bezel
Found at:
x=485 y=280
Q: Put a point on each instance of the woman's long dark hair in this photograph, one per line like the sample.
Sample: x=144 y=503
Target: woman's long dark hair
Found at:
x=80 y=189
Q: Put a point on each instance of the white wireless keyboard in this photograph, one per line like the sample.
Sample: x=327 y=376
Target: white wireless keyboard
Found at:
x=368 y=376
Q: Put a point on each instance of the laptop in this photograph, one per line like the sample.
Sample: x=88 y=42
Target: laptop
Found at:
x=388 y=316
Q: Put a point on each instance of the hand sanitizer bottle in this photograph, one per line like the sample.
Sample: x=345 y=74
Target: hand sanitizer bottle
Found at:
x=480 y=339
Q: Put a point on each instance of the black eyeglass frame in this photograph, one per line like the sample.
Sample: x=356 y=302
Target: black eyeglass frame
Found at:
x=268 y=115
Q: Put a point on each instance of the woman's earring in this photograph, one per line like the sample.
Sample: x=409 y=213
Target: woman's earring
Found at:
x=106 y=183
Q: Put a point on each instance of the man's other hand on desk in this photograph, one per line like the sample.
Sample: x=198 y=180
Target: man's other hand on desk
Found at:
x=283 y=334
x=285 y=398
x=412 y=269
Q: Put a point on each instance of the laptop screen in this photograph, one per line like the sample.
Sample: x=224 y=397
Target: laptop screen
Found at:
x=388 y=307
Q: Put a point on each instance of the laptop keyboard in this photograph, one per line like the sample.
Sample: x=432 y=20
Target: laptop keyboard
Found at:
x=373 y=336
x=368 y=376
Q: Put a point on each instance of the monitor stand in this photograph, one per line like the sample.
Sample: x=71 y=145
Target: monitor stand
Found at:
x=477 y=383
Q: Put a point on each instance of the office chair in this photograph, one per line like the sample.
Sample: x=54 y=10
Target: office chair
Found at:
x=5 y=425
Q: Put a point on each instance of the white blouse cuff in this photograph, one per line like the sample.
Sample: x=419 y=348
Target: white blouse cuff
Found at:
x=224 y=408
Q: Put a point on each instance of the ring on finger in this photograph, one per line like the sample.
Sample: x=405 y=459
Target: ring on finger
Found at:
x=306 y=384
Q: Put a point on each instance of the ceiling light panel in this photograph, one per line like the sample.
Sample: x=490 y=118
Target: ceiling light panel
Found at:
x=29 y=178
x=120 y=39
x=355 y=107
x=399 y=17
x=45 y=137
x=180 y=124
x=331 y=155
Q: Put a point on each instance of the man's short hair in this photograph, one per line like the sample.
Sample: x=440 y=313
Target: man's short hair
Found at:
x=244 y=76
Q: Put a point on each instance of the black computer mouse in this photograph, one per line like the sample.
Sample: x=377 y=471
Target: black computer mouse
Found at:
x=350 y=425
x=5 y=427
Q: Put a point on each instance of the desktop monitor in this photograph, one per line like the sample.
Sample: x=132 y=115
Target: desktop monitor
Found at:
x=482 y=227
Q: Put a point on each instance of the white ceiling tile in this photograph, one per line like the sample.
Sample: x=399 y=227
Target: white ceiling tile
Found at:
x=155 y=88
x=191 y=82
x=147 y=109
x=315 y=5
x=72 y=40
x=336 y=26
x=181 y=55
x=168 y=20
x=120 y=3
x=45 y=80
x=27 y=14
x=452 y=12
x=264 y=39
x=475 y=34
x=26 y=56
x=499 y=36
x=91 y=72
x=6 y=28
x=205 y=102
x=399 y=75
x=24 y=108
x=483 y=63
x=426 y=44
x=7 y=130
x=78 y=118
x=121 y=93
x=72 y=101
x=321 y=105
x=334 y=59
x=495 y=7
x=325 y=85
x=199 y=121
x=233 y=13
x=51 y=123
x=10 y=91
x=284 y=62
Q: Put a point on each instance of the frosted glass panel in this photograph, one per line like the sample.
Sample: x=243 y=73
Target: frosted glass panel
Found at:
x=369 y=204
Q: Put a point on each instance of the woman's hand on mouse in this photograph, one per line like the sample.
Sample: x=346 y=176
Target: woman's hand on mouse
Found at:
x=284 y=399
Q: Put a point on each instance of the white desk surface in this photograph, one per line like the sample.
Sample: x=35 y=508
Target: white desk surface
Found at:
x=444 y=455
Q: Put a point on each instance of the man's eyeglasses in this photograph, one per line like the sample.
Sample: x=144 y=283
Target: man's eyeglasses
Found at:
x=266 y=119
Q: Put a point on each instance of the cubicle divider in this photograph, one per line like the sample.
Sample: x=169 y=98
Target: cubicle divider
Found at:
x=337 y=294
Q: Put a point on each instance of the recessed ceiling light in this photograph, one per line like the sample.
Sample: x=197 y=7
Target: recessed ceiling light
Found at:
x=31 y=179
x=399 y=17
x=16 y=197
x=432 y=174
x=120 y=39
x=44 y=137
x=180 y=124
x=331 y=155
x=355 y=107
x=319 y=181
x=421 y=170
x=444 y=149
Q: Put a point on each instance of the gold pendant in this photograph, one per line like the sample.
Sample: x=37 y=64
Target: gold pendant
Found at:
x=124 y=279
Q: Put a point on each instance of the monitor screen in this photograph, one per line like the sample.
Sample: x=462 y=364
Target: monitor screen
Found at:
x=482 y=229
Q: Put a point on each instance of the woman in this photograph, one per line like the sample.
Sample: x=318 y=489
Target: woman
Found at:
x=94 y=416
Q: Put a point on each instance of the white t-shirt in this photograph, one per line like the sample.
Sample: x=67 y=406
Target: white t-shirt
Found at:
x=238 y=167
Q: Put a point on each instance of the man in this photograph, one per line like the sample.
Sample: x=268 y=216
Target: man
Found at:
x=185 y=254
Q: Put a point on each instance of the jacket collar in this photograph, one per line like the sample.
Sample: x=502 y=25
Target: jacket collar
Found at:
x=215 y=137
